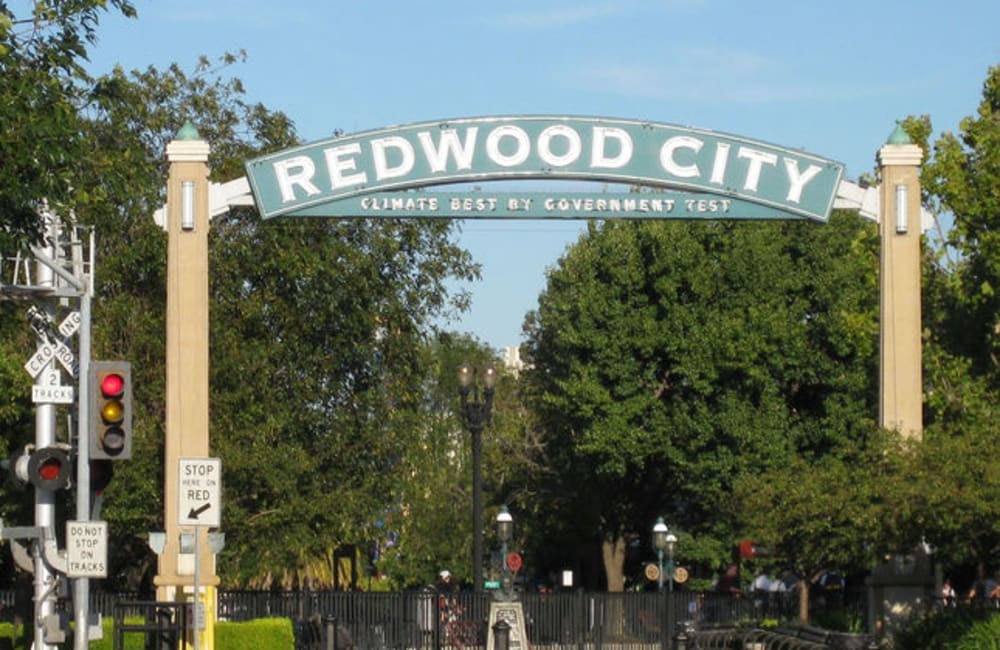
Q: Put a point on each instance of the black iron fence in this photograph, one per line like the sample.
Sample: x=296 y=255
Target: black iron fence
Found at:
x=423 y=620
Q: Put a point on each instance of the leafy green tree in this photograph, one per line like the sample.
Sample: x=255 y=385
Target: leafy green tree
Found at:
x=432 y=521
x=951 y=488
x=43 y=91
x=821 y=514
x=963 y=178
x=317 y=379
x=42 y=96
x=430 y=517
x=943 y=490
x=671 y=358
x=129 y=120
x=315 y=328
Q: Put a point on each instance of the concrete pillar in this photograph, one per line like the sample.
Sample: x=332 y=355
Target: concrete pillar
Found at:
x=901 y=376
x=187 y=422
x=900 y=586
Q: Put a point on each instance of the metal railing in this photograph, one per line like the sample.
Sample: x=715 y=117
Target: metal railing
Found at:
x=425 y=620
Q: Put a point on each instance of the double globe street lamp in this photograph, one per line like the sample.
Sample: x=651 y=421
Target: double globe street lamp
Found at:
x=477 y=411
x=664 y=542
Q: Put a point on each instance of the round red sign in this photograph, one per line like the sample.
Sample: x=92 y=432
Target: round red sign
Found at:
x=514 y=561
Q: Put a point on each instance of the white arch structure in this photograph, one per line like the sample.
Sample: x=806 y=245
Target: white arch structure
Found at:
x=850 y=196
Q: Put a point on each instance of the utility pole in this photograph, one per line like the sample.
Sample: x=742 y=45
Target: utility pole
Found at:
x=63 y=271
x=45 y=583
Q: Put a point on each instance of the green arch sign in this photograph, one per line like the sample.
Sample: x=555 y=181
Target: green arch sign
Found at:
x=657 y=171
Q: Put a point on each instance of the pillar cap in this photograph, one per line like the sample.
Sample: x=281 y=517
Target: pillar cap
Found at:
x=898 y=135
x=899 y=149
x=187 y=146
x=187 y=132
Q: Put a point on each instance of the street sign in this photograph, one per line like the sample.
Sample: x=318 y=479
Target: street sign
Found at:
x=66 y=357
x=52 y=394
x=71 y=324
x=49 y=390
x=200 y=488
x=40 y=359
x=196 y=616
x=87 y=549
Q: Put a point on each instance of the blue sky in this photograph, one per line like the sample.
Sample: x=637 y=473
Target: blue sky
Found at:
x=828 y=77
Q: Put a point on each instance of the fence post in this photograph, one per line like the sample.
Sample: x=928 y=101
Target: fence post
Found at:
x=330 y=621
x=681 y=640
x=671 y=600
x=501 y=635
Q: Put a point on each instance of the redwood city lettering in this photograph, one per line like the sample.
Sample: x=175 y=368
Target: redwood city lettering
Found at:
x=450 y=151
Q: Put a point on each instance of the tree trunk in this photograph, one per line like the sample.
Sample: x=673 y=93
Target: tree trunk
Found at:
x=803 y=601
x=613 y=554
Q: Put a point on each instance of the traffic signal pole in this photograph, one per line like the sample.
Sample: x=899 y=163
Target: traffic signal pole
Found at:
x=81 y=586
x=62 y=273
x=45 y=583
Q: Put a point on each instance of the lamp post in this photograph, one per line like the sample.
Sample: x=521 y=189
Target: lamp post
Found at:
x=505 y=530
x=671 y=547
x=476 y=412
x=664 y=542
x=660 y=531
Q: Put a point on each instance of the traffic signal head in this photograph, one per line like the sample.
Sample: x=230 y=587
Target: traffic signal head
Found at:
x=111 y=410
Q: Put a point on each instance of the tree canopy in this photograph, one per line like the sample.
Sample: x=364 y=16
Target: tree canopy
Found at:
x=45 y=88
x=317 y=328
x=671 y=358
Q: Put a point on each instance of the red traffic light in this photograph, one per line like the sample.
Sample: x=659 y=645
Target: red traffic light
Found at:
x=112 y=384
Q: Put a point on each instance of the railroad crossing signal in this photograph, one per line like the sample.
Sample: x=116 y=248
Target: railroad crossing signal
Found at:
x=111 y=410
x=48 y=468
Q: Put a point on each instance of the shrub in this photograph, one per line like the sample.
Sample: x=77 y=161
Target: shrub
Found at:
x=984 y=635
x=270 y=633
x=261 y=633
x=960 y=628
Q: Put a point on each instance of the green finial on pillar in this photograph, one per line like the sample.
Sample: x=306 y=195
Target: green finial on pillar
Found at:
x=898 y=135
x=188 y=132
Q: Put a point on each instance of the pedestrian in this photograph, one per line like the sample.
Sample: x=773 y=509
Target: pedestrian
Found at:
x=729 y=581
x=947 y=593
x=445 y=583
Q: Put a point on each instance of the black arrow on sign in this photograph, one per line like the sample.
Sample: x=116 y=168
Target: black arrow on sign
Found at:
x=197 y=511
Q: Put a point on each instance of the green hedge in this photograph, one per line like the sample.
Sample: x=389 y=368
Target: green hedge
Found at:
x=962 y=628
x=268 y=633
x=261 y=633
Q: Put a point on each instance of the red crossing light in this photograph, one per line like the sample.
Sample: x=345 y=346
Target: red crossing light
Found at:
x=49 y=468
